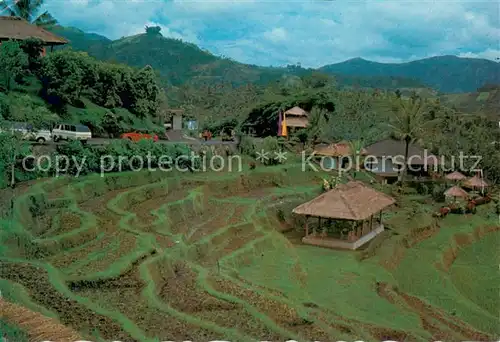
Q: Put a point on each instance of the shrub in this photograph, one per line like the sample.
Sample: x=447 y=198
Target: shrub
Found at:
x=423 y=189
x=4 y=107
x=438 y=192
x=271 y=147
x=246 y=145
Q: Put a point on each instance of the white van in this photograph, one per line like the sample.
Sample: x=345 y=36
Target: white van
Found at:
x=29 y=133
x=71 y=132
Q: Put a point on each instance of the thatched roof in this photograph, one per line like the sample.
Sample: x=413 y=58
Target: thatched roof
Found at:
x=392 y=148
x=297 y=111
x=475 y=182
x=352 y=201
x=19 y=29
x=456 y=191
x=455 y=176
x=340 y=149
x=297 y=122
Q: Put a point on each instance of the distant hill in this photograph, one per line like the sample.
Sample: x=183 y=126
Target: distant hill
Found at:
x=485 y=101
x=80 y=40
x=448 y=74
x=180 y=62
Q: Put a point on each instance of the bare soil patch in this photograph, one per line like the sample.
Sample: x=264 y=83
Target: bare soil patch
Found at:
x=462 y=240
x=284 y=315
x=70 y=312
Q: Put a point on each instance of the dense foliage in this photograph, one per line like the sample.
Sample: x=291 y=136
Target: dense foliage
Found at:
x=67 y=76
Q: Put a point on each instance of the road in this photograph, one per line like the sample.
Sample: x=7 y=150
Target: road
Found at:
x=106 y=141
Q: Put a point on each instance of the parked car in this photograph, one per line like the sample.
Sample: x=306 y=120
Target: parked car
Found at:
x=71 y=132
x=28 y=132
x=227 y=136
x=136 y=136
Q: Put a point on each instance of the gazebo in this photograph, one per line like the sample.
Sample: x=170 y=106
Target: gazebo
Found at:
x=354 y=205
x=456 y=192
x=455 y=176
x=17 y=28
x=475 y=183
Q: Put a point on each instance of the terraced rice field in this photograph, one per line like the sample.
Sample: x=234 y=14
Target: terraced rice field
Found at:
x=151 y=257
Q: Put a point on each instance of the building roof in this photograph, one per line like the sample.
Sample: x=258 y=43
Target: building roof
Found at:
x=455 y=176
x=475 y=182
x=19 y=29
x=392 y=148
x=340 y=149
x=297 y=122
x=456 y=191
x=352 y=201
x=296 y=111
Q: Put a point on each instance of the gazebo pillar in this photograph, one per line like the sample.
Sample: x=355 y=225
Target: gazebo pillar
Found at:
x=371 y=223
x=307 y=225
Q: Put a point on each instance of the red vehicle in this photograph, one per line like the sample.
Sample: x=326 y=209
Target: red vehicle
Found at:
x=136 y=136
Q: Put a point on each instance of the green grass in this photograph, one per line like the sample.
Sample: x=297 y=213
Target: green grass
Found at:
x=475 y=273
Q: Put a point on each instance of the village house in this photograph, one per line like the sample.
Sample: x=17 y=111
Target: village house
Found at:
x=292 y=120
x=333 y=156
x=16 y=28
x=386 y=159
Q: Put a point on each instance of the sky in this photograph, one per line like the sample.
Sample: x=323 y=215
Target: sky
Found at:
x=310 y=32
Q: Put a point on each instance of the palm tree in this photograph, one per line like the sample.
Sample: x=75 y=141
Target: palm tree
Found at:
x=29 y=10
x=407 y=121
x=356 y=147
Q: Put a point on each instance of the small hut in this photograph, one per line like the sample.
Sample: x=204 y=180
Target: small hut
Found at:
x=456 y=192
x=354 y=205
x=475 y=183
x=295 y=118
x=334 y=155
x=17 y=28
x=455 y=176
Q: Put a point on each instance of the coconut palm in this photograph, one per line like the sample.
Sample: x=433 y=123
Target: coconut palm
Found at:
x=29 y=10
x=408 y=121
x=356 y=146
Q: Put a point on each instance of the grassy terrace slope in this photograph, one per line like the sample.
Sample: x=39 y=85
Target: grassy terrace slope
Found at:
x=148 y=256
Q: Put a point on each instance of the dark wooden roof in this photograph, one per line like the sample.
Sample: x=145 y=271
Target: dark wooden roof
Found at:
x=392 y=148
x=17 y=28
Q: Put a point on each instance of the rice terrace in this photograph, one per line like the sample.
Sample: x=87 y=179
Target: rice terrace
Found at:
x=209 y=256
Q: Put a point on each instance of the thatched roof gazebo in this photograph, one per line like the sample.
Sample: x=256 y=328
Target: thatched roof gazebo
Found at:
x=475 y=183
x=17 y=28
x=456 y=192
x=335 y=155
x=354 y=202
x=455 y=176
x=340 y=149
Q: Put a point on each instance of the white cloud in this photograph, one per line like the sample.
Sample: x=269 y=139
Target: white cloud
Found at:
x=491 y=54
x=313 y=33
x=276 y=34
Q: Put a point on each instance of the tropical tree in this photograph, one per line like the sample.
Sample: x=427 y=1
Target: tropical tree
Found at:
x=30 y=10
x=356 y=147
x=407 y=121
x=13 y=62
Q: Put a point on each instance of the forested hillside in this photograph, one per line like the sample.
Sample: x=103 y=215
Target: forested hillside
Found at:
x=179 y=62
x=445 y=73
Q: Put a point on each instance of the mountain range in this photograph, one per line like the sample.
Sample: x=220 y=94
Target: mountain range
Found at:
x=179 y=62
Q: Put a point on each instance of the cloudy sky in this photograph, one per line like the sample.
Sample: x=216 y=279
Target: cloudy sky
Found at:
x=313 y=33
